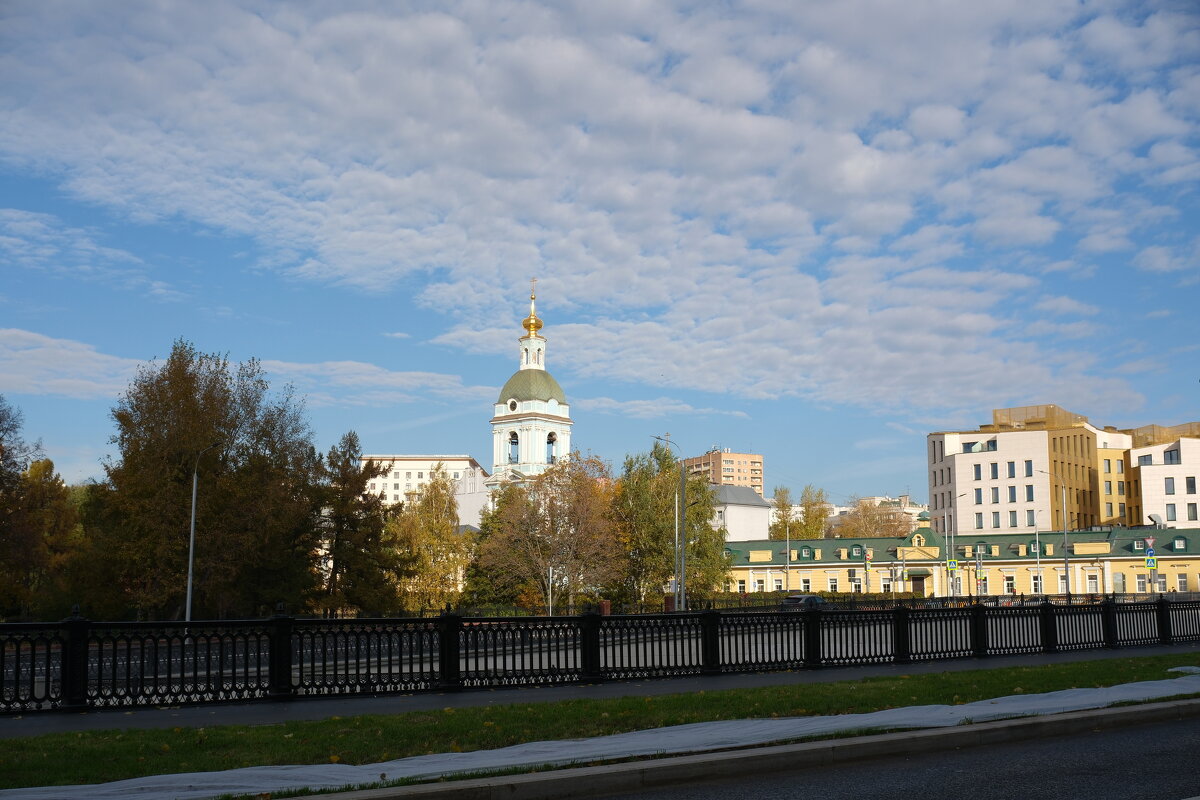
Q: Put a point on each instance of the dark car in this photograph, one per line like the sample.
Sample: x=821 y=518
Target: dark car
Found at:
x=802 y=602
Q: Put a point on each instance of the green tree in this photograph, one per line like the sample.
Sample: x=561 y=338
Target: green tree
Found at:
x=783 y=518
x=487 y=583
x=814 y=514
x=37 y=537
x=362 y=562
x=428 y=532
x=259 y=496
x=557 y=533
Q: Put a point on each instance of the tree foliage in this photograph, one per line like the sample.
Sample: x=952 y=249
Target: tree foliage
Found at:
x=783 y=519
x=556 y=533
x=258 y=504
x=866 y=519
x=427 y=531
x=814 y=513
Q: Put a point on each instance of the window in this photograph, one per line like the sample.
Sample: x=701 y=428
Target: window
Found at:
x=1010 y=584
x=1171 y=457
x=1181 y=582
x=1035 y=546
x=551 y=441
x=1168 y=485
x=1121 y=509
x=396 y=475
x=978 y=520
x=420 y=476
x=407 y=475
x=1012 y=469
x=741 y=587
x=833 y=584
x=1029 y=493
x=1035 y=583
x=1028 y=468
x=1093 y=583
x=995 y=494
x=806 y=552
x=1119 y=582
x=1179 y=544
x=1141 y=583
x=760 y=585
x=1108 y=509
x=1191 y=511
x=1120 y=467
x=456 y=476
x=1062 y=583
x=1107 y=466
x=1120 y=487
x=978 y=471
x=395 y=486
x=1029 y=517
x=1162 y=583
x=982 y=584
x=806 y=584
x=1108 y=487
x=995 y=470
x=1170 y=512
x=1139 y=544
x=372 y=487
x=514 y=447
x=995 y=519
x=1145 y=461
x=978 y=497
x=856 y=551
x=778 y=585
x=1012 y=494
x=1190 y=485
x=1012 y=519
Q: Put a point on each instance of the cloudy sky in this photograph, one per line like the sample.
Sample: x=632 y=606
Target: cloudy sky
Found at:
x=813 y=230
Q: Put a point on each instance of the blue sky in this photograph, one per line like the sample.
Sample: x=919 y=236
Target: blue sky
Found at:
x=811 y=230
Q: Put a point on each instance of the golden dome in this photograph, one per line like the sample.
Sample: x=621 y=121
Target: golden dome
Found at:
x=531 y=323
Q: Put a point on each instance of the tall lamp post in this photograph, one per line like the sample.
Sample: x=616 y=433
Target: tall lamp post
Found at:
x=1066 y=563
x=951 y=555
x=680 y=527
x=187 y=616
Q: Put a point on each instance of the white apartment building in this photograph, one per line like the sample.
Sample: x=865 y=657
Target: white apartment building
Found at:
x=408 y=474
x=1164 y=476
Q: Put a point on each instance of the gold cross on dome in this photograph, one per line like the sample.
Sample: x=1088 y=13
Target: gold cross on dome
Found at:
x=533 y=287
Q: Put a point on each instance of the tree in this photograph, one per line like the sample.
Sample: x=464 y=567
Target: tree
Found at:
x=783 y=525
x=428 y=531
x=37 y=538
x=814 y=513
x=557 y=533
x=362 y=564
x=867 y=520
x=644 y=509
x=259 y=496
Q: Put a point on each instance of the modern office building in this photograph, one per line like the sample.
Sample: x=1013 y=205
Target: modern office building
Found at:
x=408 y=474
x=722 y=466
x=1045 y=468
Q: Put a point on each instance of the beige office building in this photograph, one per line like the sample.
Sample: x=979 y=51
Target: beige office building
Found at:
x=725 y=467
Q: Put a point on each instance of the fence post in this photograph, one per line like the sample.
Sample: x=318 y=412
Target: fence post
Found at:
x=449 y=675
x=590 y=625
x=279 y=676
x=901 y=646
x=812 y=638
x=710 y=642
x=1108 y=619
x=979 y=629
x=1049 y=627
x=1163 y=612
x=75 y=662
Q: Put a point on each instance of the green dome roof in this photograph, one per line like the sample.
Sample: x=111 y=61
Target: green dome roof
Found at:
x=531 y=384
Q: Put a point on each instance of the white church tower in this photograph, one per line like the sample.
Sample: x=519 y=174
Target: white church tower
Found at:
x=531 y=427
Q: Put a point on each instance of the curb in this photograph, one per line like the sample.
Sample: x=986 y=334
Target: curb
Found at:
x=639 y=775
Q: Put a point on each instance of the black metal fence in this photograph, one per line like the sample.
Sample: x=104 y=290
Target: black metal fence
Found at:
x=79 y=664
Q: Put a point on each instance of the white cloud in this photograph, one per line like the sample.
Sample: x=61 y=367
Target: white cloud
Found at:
x=650 y=409
x=359 y=383
x=1065 y=305
x=1157 y=258
x=31 y=363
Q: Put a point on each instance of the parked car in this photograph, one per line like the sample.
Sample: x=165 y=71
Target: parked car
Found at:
x=803 y=602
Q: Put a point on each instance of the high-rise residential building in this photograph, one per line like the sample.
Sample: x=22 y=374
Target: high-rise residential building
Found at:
x=1045 y=468
x=723 y=466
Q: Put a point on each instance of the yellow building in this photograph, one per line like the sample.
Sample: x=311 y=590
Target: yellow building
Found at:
x=723 y=466
x=1103 y=561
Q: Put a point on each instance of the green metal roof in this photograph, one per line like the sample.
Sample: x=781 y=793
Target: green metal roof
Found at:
x=532 y=384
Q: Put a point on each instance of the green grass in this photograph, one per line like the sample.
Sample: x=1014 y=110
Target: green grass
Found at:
x=100 y=756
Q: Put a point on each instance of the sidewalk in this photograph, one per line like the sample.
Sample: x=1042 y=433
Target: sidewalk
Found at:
x=269 y=713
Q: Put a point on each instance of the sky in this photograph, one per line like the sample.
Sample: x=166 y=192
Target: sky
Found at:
x=816 y=231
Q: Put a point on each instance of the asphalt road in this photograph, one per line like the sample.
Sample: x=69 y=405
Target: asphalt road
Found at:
x=1155 y=762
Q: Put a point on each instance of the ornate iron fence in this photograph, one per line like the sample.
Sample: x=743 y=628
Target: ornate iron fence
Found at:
x=79 y=664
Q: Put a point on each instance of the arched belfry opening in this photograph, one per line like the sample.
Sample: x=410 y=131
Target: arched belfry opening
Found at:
x=551 y=442
x=514 y=448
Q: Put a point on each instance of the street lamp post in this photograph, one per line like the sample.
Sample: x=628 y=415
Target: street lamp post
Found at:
x=187 y=616
x=1066 y=547
x=950 y=553
x=680 y=528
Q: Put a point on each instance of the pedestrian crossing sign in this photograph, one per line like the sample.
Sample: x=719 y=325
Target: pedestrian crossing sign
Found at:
x=1151 y=562
x=952 y=564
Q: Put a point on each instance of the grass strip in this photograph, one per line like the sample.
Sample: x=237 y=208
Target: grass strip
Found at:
x=102 y=756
